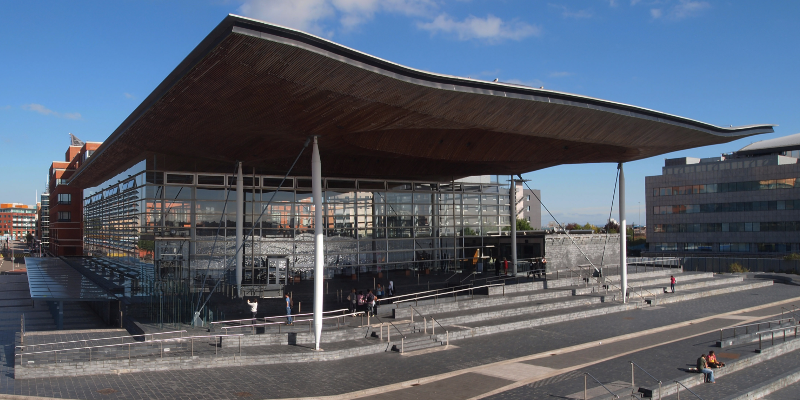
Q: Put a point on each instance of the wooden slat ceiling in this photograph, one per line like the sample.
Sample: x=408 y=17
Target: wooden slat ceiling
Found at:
x=254 y=92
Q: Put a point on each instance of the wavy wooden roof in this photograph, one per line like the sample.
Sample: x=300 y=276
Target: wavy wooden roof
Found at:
x=253 y=92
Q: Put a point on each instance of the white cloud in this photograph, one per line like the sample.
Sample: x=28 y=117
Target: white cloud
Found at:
x=567 y=13
x=311 y=15
x=683 y=9
x=490 y=29
x=560 y=74
x=303 y=15
x=635 y=2
x=46 y=111
x=128 y=95
x=613 y=3
x=656 y=13
x=688 y=8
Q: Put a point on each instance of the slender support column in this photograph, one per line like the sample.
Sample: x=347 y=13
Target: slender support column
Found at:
x=316 y=191
x=513 y=200
x=623 y=256
x=239 y=229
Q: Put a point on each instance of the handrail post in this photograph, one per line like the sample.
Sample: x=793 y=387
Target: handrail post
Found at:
x=402 y=341
x=632 y=384
x=584 y=387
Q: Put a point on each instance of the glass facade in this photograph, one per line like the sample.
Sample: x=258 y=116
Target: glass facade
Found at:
x=746 y=186
x=181 y=225
x=728 y=207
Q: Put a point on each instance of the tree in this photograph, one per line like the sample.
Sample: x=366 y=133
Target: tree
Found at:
x=573 y=226
x=523 y=225
x=611 y=227
x=591 y=227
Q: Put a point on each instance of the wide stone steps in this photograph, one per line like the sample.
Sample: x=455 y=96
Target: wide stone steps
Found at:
x=775 y=368
x=528 y=320
x=510 y=310
x=481 y=302
x=413 y=342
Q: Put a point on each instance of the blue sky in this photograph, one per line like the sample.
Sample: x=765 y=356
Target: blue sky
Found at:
x=82 y=67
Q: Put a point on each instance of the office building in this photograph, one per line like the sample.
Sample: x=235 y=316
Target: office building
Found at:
x=17 y=220
x=746 y=203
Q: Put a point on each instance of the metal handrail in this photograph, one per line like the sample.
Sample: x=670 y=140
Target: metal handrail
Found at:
x=388 y=336
x=678 y=391
x=601 y=384
x=790 y=311
x=772 y=331
x=757 y=324
x=446 y=332
x=276 y=316
x=394 y=298
x=106 y=338
x=253 y=326
x=128 y=344
x=467 y=277
x=454 y=291
x=648 y=374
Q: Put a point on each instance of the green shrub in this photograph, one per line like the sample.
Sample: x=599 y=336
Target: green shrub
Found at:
x=737 y=268
x=792 y=257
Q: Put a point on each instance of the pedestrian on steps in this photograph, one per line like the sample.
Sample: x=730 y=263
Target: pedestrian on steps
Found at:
x=289 y=305
x=672 y=283
x=253 y=307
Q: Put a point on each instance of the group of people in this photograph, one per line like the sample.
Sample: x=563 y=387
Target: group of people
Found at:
x=289 y=304
x=706 y=362
x=359 y=301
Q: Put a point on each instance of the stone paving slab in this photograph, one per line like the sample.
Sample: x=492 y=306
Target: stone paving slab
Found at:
x=788 y=393
x=343 y=376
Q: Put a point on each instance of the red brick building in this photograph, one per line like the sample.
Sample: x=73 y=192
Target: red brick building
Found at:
x=66 y=208
x=17 y=220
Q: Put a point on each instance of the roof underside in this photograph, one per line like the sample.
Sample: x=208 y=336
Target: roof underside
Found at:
x=253 y=92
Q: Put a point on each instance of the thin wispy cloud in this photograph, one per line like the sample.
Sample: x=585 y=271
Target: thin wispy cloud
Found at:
x=128 y=95
x=489 y=29
x=567 y=13
x=38 y=108
x=326 y=17
x=313 y=15
x=681 y=10
x=535 y=83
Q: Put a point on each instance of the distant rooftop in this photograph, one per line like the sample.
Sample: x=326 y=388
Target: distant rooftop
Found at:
x=786 y=143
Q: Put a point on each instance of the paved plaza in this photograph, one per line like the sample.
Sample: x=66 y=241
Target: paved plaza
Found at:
x=543 y=362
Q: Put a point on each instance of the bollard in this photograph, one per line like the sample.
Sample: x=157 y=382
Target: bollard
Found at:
x=129 y=347
x=388 y=334
x=433 y=326
x=584 y=387
x=425 y=325
x=447 y=338
x=402 y=343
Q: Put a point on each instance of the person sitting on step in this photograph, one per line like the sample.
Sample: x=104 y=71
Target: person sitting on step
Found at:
x=712 y=360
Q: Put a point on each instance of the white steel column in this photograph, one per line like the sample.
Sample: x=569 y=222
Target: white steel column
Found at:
x=239 y=229
x=513 y=200
x=316 y=192
x=623 y=257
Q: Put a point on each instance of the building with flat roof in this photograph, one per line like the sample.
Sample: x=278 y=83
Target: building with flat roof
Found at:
x=65 y=209
x=531 y=207
x=17 y=220
x=269 y=152
x=746 y=203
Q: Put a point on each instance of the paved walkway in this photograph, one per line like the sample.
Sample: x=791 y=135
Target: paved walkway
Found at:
x=480 y=366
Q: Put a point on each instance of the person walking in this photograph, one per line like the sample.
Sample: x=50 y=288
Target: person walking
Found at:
x=496 y=267
x=390 y=289
x=505 y=266
x=672 y=283
x=370 y=303
x=253 y=307
x=702 y=366
x=289 y=305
